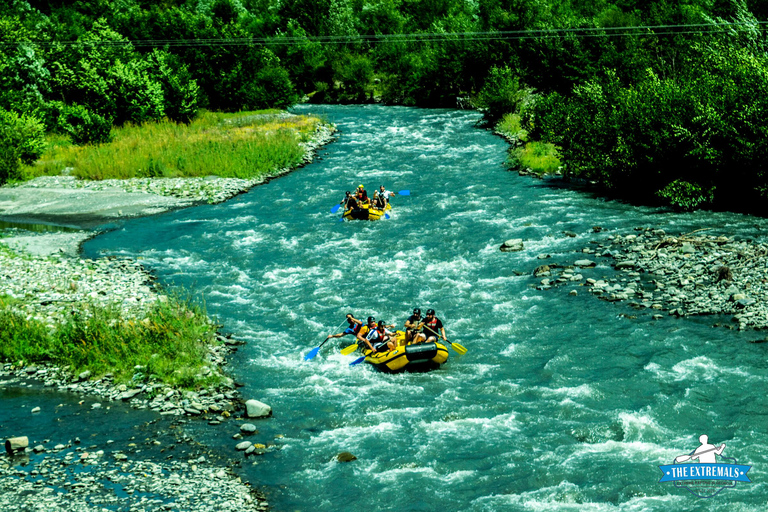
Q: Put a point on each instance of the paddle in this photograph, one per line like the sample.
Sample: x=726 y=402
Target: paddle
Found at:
x=359 y=360
x=455 y=346
x=336 y=208
x=683 y=458
x=405 y=192
x=312 y=353
x=348 y=350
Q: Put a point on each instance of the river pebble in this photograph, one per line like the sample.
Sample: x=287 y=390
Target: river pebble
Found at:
x=93 y=482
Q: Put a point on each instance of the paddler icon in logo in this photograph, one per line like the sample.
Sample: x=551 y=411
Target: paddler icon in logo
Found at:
x=701 y=474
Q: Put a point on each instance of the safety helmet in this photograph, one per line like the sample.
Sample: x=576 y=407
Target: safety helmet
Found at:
x=430 y=312
x=417 y=311
x=371 y=319
x=360 y=186
x=381 y=323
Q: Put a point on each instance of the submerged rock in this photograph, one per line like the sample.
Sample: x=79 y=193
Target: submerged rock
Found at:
x=512 y=245
x=345 y=457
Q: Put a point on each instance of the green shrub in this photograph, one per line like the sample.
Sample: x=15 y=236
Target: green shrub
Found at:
x=501 y=94
x=686 y=196
x=273 y=89
x=84 y=126
x=539 y=157
x=22 y=140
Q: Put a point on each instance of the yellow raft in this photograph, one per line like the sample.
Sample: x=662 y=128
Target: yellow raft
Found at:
x=365 y=213
x=414 y=357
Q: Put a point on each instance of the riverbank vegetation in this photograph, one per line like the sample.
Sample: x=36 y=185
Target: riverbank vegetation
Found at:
x=243 y=145
x=169 y=345
x=655 y=100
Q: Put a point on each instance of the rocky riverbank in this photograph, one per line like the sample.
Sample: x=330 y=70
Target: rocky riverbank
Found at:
x=150 y=466
x=42 y=278
x=681 y=274
x=84 y=481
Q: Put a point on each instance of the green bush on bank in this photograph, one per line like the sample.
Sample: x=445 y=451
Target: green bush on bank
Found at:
x=501 y=94
x=22 y=140
x=706 y=128
x=169 y=344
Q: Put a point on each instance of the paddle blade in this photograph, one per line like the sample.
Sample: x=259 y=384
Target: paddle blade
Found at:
x=405 y=192
x=341 y=219
x=312 y=353
x=386 y=215
x=335 y=208
x=458 y=348
x=348 y=350
x=357 y=361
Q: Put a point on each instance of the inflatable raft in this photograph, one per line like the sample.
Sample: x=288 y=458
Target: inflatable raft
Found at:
x=365 y=213
x=418 y=357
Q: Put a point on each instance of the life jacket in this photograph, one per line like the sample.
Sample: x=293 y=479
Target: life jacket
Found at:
x=430 y=328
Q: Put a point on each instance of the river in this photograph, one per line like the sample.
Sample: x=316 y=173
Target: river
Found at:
x=562 y=402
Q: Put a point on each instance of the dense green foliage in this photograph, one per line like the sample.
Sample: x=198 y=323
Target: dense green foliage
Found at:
x=169 y=344
x=634 y=103
x=21 y=141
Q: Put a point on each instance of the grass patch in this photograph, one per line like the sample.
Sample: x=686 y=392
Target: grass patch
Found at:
x=169 y=344
x=539 y=157
x=242 y=145
x=510 y=127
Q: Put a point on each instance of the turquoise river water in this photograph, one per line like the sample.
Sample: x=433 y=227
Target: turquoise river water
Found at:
x=561 y=402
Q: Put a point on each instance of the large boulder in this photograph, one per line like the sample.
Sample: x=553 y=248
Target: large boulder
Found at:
x=256 y=409
x=14 y=444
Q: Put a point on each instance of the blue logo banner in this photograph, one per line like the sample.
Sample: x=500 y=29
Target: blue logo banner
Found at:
x=678 y=472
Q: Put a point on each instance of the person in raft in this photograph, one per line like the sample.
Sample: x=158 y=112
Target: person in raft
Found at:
x=364 y=330
x=361 y=195
x=385 y=193
x=412 y=325
x=345 y=202
x=353 y=328
x=349 y=202
x=381 y=337
x=431 y=325
x=378 y=201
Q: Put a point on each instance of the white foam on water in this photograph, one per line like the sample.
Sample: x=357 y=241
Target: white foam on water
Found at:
x=470 y=427
x=355 y=434
x=507 y=306
x=700 y=368
x=641 y=426
x=568 y=497
x=582 y=391
x=633 y=451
